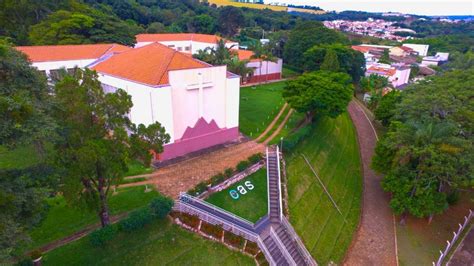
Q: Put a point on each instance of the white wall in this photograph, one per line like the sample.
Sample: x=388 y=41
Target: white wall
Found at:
x=272 y=67
x=150 y=104
x=422 y=49
x=194 y=45
x=55 y=65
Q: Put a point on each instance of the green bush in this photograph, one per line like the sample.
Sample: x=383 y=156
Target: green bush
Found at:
x=160 y=207
x=101 y=236
x=242 y=166
x=228 y=172
x=234 y=240
x=293 y=139
x=188 y=219
x=198 y=189
x=255 y=158
x=217 y=179
x=212 y=230
x=136 y=219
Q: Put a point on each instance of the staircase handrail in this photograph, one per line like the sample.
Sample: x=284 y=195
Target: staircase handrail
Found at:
x=307 y=256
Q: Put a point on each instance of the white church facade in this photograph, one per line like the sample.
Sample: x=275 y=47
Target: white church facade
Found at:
x=198 y=104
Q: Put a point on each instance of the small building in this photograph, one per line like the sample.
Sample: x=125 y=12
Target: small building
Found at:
x=396 y=75
x=436 y=60
x=402 y=51
x=262 y=70
x=421 y=49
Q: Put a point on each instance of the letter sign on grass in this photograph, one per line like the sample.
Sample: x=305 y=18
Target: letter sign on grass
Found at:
x=241 y=190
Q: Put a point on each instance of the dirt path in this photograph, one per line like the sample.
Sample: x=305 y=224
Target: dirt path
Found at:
x=180 y=177
x=282 y=110
x=375 y=241
x=277 y=131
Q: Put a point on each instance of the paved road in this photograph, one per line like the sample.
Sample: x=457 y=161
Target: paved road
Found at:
x=374 y=243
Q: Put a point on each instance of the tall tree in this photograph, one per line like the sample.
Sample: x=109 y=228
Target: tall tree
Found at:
x=322 y=92
x=24 y=119
x=230 y=20
x=239 y=67
x=387 y=107
x=97 y=140
x=330 y=63
x=427 y=153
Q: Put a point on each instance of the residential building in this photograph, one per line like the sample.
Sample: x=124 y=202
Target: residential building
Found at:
x=197 y=103
x=421 y=49
x=402 y=51
x=436 y=60
x=397 y=75
x=262 y=70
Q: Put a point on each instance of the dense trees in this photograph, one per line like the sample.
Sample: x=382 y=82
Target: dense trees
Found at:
x=427 y=153
x=97 y=140
x=320 y=92
x=24 y=120
x=387 y=106
x=306 y=35
x=348 y=60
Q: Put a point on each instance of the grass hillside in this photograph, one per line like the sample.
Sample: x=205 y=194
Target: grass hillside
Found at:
x=332 y=150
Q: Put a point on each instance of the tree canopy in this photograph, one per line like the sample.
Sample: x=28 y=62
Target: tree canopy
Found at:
x=321 y=92
x=427 y=153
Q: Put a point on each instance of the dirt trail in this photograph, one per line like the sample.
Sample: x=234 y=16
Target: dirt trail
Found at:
x=180 y=177
x=280 y=127
x=375 y=241
x=282 y=110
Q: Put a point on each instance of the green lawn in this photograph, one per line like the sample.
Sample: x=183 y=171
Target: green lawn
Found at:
x=63 y=220
x=294 y=121
x=251 y=206
x=258 y=107
x=137 y=168
x=333 y=152
x=160 y=243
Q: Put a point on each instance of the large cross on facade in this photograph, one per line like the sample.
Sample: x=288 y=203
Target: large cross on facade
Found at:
x=200 y=87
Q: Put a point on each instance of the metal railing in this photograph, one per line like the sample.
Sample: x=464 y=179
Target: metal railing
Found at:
x=265 y=251
x=268 y=183
x=306 y=255
x=282 y=247
x=184 y=196
x=279 y=181
x=451 y=243
x=216 y=220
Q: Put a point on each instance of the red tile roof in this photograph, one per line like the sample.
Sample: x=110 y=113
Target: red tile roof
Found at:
x=362 y=49
x=69 y=52
x=406 y=49
x=149 y=64
x=164 y=37
x=381 y=71
x=246 y=55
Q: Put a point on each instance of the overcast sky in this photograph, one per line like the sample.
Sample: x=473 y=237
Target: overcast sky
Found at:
x=419 y=7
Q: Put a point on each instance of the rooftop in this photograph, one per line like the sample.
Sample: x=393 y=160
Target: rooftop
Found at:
x=149 y=64
x=164 y=37
x=70 y=52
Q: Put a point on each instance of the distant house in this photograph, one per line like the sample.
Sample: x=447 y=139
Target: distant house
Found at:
x=402 y=51
x=421 y=49
x=262 y=70
x=436 y=60
x=396 y=75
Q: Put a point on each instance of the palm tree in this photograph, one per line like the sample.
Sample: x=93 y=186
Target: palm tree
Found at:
x=239 y=67
x=264 y=54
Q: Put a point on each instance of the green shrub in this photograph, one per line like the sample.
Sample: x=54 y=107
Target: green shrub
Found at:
x=188 y=219
x=212 y=230
x=160 y=207
x=217 y=179
x=252 y=248
x=293 y=139
x=101 y=236
x=453 y=197
x=198 y=189
x=234 y=240
x=255 y=158
x=228 y=172
x=242 y=166
x=136 y=220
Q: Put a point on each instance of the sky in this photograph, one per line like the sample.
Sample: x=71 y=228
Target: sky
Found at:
x=418 y=7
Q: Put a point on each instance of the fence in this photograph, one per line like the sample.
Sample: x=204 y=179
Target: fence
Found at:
x=307 y=256
x=451 y=243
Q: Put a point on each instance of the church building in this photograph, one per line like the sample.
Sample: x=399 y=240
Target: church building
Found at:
x=197 y=103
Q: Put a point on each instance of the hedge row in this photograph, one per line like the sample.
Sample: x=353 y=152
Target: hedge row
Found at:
x=252 y=248
x=212 y=230
x=187 y=219
x=228 y=173
x=157 y=209
x=234 y=240
x=293 y=139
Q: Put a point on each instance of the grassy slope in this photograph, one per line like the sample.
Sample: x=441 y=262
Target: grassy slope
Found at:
x=249 y=5
x=251 y=206
x=333 y=152
x=63 y=220
x=259 y=106
x=160 y=243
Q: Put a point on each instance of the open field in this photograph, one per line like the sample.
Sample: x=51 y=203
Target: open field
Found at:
x=160 y=243
x=419 y=243
x=251 y=206
x=258 y=107
x=249 y=5
x=63 y=220
x=332 y=150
